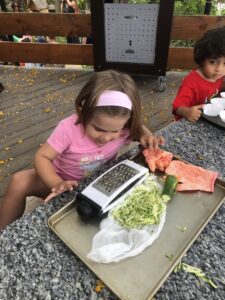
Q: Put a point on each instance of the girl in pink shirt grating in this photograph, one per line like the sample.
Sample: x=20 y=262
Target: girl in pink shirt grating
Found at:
x=108 y=115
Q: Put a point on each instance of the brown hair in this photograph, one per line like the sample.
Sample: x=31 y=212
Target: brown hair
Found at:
x=15 y=4
x=85 y=103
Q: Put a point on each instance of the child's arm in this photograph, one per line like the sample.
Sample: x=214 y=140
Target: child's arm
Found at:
x=192 y=114
x=184 y=105
x=149 y=140
x=45 y=169
x=73 y=4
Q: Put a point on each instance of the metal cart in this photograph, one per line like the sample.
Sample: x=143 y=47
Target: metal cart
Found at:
x=133 y=38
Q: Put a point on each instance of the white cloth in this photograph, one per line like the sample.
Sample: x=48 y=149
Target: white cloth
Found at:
x=114 y=242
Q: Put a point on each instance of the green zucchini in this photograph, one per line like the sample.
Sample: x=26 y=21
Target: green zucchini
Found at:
x=166 y=198
x=169 y=187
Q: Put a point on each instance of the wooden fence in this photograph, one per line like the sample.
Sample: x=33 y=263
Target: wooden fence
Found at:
x=183 y=28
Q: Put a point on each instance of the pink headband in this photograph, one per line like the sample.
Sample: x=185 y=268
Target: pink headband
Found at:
x=114 y=98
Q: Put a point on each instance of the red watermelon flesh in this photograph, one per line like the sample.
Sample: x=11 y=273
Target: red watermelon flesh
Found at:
x=191 y=177
x=157 y=158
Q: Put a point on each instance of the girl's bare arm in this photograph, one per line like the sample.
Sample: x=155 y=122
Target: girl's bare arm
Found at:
x=73 y=4
x=44 y=167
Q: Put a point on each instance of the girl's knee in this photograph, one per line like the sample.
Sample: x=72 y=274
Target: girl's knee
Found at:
x=28 y=183
x=20 y=182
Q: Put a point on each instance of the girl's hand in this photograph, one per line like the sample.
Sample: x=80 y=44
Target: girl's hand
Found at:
x=149 y=140
x=60 y=188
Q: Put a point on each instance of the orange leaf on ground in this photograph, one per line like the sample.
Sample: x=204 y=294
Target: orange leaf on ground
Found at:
x=47 y=110
x=99 y=286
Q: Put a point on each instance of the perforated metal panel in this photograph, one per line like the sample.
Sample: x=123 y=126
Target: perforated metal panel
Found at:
x=130 y=32
x=133 y=38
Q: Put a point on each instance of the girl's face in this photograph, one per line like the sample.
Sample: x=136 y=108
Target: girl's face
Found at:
x=213 y=69
x=104 y=128
x=15 y=7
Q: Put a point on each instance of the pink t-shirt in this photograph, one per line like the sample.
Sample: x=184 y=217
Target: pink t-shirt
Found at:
x=78 y=154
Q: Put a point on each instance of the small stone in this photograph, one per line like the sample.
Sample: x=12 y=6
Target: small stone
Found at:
x=94 y=296
x=78 y=286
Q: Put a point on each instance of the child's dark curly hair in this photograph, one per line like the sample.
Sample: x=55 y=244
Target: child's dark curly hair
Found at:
x=211 y=45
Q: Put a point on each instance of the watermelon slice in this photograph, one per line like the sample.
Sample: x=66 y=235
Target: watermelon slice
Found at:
x=157 y=158
x=192 y=178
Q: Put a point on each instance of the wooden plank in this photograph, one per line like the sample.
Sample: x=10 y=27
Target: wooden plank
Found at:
x=25 y=112
x=80 y=24
x=38 y=86
x=193 y=27
x=46 y=53
x=45 y=24
x=17 y=126
x=180 y=58
x=34 y=126
x=65 y=24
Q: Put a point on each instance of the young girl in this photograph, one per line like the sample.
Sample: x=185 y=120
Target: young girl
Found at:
x=108 y=115
x=199 y=86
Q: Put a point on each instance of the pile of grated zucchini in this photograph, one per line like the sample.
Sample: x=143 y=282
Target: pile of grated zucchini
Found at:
x=143 y=206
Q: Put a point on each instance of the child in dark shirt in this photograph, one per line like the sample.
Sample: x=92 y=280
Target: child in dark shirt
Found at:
x=200 y=85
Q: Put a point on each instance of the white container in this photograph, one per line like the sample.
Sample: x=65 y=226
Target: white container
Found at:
x=212 y=110
x=220 y=101
x=222 y=94
x=222 y=115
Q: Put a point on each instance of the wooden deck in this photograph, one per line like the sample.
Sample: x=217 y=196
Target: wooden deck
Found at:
x=35 y=100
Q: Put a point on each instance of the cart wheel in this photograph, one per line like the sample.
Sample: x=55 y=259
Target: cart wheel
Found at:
x=162 y=83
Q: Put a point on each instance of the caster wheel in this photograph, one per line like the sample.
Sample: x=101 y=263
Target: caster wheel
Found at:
x=162 y=83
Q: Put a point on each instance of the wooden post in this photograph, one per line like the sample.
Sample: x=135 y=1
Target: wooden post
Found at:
x=208 y=7
x=3 y=5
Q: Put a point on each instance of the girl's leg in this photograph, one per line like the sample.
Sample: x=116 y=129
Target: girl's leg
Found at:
x=22 y=184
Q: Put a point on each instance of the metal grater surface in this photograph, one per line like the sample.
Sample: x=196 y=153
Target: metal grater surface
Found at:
x=113 y=179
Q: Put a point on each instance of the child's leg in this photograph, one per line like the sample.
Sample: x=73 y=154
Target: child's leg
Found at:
x=22 y=184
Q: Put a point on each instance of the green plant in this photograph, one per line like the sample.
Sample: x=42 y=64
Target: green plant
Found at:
x=61 y=40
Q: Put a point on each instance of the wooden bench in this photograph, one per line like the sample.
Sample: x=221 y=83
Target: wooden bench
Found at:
x=183 y=28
